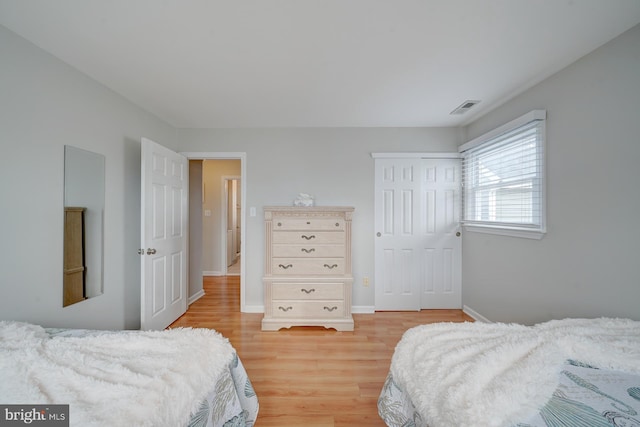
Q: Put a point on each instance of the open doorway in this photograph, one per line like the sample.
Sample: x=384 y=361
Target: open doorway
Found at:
x=233 y=209
x=216 y=189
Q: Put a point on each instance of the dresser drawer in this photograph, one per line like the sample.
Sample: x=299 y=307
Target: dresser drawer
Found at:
x=307 y=291
x=313 y=237
x=309 y=251
x=308 y=309
x=336 y=224
x=308 y=266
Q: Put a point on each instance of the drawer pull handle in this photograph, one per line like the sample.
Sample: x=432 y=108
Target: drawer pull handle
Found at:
x=308 y=250
x=337 y=224
x=285 y=309
x=330 y=309
x=331 y=267
x=308 y=237
x=285 y=266
x=307 y=291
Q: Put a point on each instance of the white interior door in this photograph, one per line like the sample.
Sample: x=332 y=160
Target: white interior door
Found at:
x=441 y=242
x=164 y=227
x=418 y=245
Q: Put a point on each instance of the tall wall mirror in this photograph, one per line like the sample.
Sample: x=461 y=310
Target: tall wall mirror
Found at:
x=84 y=191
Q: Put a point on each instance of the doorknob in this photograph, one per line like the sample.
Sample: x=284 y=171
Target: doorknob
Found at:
x=151 y=251
x=457 y=234
x=378 y=234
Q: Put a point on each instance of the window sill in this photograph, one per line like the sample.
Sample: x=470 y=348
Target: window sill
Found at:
x=506 y=231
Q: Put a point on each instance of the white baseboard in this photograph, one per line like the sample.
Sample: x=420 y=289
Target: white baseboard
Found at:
x=253 y=309
x=211 y=273
x=196 y=297
x=475 y=315
x=363 y=309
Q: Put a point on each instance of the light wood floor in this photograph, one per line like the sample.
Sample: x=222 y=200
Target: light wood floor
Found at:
x=309 y=376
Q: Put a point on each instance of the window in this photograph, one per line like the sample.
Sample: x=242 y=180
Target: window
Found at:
x=503 y=179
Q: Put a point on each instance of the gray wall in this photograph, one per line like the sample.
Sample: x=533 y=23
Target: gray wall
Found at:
x=44 y=105
x=334 y=165
x=587 y=264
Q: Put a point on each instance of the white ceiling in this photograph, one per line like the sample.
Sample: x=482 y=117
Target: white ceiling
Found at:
x=317 y=63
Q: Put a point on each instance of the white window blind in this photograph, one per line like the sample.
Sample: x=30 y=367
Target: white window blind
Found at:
x=503 y=178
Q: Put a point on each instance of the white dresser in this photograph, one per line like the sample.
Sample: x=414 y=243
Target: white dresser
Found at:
x=308 y=278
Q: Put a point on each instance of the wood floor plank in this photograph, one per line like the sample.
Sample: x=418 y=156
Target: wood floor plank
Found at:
x=309 y=376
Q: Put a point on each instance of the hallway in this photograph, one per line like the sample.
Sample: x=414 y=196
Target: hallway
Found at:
x=234 y=269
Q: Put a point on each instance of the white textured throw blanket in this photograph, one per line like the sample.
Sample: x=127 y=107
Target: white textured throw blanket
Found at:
x=492 y=374
x=112 y=379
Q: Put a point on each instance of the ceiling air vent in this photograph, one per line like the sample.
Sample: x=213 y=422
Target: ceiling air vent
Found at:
x=465 y=106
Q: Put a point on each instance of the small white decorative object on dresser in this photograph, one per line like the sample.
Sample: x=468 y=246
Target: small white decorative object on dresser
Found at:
x=308 y=278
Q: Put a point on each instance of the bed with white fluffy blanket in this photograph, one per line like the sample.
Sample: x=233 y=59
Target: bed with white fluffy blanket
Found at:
x=493 y=374
x=141 y=378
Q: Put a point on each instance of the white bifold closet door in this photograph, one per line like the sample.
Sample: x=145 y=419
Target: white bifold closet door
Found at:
x=418 y=237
